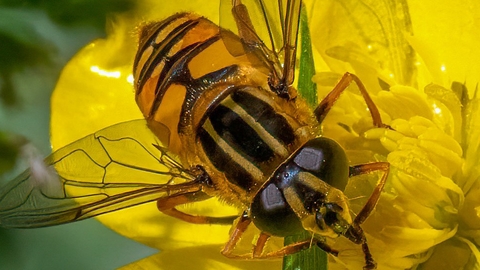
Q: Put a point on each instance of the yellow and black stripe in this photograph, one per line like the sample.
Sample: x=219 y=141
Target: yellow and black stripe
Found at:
x=211 y=107
x=245 y=137
x=171 y=74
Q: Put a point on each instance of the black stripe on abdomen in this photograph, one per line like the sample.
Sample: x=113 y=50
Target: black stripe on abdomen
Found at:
x=239 y=135
x=150 y=33
x=246 y=147
x=162 y=50
x=224 y=162
x=266 y=116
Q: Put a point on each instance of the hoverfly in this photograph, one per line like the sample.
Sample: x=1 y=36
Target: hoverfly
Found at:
x=224 y=104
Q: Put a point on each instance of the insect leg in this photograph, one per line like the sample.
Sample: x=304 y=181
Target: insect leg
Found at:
x=257 y=252
x=167 y=206
x=372 y=201
x=326 y=104
x=296 y=247
x=355 y=233
x=236 y=235
x=193 y=192
x=258 y=249
x=286 y=250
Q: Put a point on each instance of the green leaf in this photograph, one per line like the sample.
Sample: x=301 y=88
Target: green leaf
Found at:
x=74 y=12
x=306 y=87
x=16 y=54
x=8 y=153
x=313 y=258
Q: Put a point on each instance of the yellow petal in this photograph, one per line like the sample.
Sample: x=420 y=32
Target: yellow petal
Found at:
x=444 y=38
x=403 y=102
x=200 y=257
x=451 y=254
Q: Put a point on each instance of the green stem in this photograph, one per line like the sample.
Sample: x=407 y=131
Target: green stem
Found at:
x=306 y=88
x=313 y=258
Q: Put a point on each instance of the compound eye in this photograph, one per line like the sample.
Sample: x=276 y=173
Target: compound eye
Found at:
x=271 y=212
x=325 y=159
x=310 y=158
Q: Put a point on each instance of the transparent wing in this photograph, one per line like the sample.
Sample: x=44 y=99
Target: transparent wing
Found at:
x=268 y=30
x=103 y=172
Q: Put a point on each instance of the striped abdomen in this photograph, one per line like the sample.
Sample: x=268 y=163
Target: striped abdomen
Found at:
x=247 y=136
x=180 y=68
x=213 y=109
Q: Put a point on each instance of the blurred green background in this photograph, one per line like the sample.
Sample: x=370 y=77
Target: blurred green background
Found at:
x=37 y=38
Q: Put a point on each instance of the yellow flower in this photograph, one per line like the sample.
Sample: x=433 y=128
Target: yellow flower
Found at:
x=429 y=212
x=420 y=64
